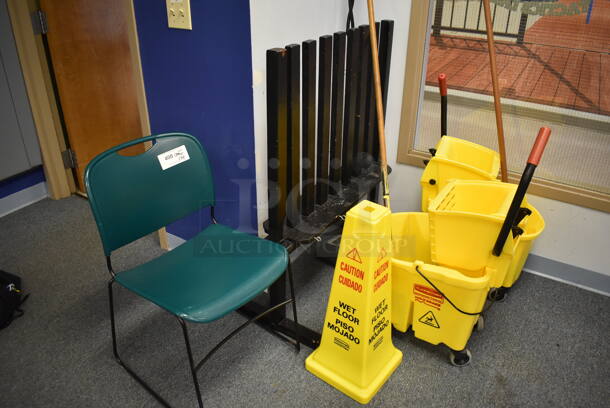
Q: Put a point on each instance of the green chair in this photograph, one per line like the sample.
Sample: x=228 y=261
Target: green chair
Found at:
x=207 y=277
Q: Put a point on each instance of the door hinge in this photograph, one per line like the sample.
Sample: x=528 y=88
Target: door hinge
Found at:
x=69 y=159
x=39 y=22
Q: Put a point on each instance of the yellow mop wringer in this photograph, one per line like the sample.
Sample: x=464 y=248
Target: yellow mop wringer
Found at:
x=475 y=236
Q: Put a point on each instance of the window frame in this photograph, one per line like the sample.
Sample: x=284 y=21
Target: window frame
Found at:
x=413 y=88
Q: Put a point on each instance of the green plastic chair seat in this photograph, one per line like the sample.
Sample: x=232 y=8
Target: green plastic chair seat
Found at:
x=210 y=275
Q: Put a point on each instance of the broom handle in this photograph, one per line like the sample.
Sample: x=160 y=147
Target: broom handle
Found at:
x=496 y=90
x=378 y=99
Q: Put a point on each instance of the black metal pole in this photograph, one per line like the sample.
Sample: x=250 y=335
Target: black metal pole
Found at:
x=442 y=84
x=385 y=58
x=336 y=123
x=324 y=98
x=277 y=139
x=522 y=27
x=370 y=136
x=438 y=18
x=294 y=134
x=352 y=74
x=361 y=101
x=309 y=127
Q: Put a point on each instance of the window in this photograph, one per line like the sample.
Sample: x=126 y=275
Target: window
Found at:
x=553 y=61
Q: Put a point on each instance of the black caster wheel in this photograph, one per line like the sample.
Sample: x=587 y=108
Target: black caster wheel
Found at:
x=460 y=358
x=497 y=294
x=480 y=324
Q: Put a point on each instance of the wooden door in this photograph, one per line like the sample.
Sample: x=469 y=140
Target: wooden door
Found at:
x=91 y=53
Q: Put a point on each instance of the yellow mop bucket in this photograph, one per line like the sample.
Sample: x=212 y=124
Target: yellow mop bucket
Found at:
x=456 y=159
x=417 y=303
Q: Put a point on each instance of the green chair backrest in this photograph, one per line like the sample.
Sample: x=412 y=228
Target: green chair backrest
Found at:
x=132 y=196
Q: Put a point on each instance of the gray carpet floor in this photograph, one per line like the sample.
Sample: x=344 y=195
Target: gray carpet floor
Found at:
x=545 y=346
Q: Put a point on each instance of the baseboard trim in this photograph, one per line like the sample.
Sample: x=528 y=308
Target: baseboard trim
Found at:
x=174 y=241
x=23 y=198
x=570 y=274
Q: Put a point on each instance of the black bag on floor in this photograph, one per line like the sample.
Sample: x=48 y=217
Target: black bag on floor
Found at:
x=10 y=298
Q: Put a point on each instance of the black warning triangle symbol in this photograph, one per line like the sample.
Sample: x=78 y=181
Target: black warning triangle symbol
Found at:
x=430 y=320
x=354 y=255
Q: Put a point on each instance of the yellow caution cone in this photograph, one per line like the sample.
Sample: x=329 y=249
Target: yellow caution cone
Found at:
x=356 y=354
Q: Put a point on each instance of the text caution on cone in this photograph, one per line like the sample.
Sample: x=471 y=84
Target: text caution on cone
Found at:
x=356 y=354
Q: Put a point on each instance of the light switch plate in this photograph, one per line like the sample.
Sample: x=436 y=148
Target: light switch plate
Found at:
x=179 y=14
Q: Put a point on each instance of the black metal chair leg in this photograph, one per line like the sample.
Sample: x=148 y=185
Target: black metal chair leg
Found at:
x=116 y=351
x=112 y=324
x=191 y=362
x=240 y=328
x=192 y=366
x=294 y=308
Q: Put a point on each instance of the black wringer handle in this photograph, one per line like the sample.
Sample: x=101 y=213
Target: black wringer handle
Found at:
x=526 y=178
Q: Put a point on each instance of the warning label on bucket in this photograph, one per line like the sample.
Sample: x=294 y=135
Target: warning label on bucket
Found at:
x=427 y=296
x=429 y=319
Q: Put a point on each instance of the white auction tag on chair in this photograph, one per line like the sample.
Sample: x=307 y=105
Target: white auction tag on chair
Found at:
x=173 y=157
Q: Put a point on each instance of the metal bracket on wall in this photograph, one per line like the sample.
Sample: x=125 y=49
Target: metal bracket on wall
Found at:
x=39 y=22
x=69 y=159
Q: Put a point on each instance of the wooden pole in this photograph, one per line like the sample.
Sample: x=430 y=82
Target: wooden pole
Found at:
x=496 y=89
x=378 y=99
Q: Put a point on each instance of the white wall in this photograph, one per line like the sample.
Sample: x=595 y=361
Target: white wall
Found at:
x=574 y=235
